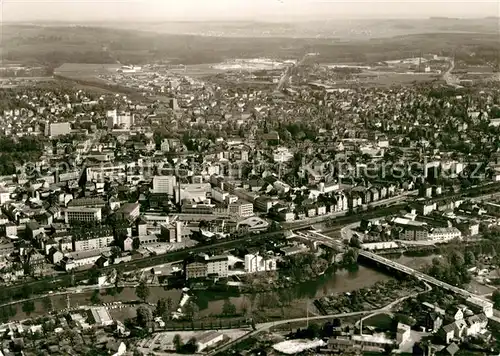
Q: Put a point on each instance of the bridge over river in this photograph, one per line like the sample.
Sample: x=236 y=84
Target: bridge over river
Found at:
x=473 y=299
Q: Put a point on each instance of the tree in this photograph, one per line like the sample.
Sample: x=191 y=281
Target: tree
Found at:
x=470 y=258
x=115 y=252
x=26 y=291
x=244 y=308
x=496 y=298
x=457 y=259
x=313 y=330
x=136 y=243
x=169 y=308
x=350 y=258
x=144 y=316
x=228 y=308
x=93 y=275
x=48 y=327
x=191 y=346
x=177 y=341
x=95 y=298
x=327 y=330
x=28 y=307
x=190 y=310
x=142 y=291
x=118 y=277
x=355 y=242
x=47 y=304
x=405 y=319
x=161 y=307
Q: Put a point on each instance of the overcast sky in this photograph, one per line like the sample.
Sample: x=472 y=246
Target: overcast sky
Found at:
x=87 y=10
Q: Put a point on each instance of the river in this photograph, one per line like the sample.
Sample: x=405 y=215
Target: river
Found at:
x=303 y=294
x=210 y=303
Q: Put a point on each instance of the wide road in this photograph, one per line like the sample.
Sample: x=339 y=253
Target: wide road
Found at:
x=449 y=77
x=288 y=73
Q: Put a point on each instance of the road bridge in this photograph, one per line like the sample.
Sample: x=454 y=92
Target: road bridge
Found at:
x=421 y=276
x=317 y=237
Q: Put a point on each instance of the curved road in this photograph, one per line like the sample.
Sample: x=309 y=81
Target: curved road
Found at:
x=388 y=307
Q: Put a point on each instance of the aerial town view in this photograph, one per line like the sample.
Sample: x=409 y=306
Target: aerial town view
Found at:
x=249 y=178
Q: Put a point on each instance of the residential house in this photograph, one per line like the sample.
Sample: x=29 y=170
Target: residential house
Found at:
x=475 y=324
x=451 y=350
x=432 y=321
x=447 y=333
x=460 y=327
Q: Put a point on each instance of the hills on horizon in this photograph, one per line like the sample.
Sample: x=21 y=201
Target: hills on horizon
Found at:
x=344 y=29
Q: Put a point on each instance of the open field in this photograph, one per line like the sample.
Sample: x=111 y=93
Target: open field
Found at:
x=196 y=70
x=379 y=321
x=85 y=70
x=52 y=46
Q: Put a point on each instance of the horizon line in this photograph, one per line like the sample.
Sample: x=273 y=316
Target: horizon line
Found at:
x=288 y=19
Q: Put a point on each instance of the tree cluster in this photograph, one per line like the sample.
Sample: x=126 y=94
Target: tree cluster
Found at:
x=142 y=291
x=228 y=308
x=314 y=331
x=350 y=258
x=303 y=267
x=189 y=347
x=452 y=267
x=164 y=307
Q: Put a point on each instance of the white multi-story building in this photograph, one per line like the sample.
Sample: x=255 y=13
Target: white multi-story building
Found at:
x=328 y=188
x=198 y=193
x=241 y=209
x=83 y=258
x=403 y=333
x=445 y=233
x=165 y=146
x=256 y=263
x=217 y=265
x=87 y=244
x=123 y=120
x=480 y=306
x=57 y=129
x=4 y=196
x=282 y=155
x=78 y=213
x=104 y=171
x=219 y=195
x=164 y=185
